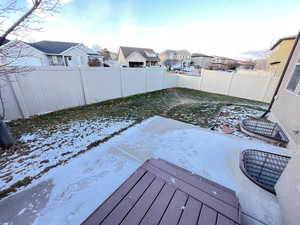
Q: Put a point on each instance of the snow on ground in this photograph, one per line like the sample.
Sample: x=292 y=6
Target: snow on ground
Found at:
x=49 y=141
x=232 y=115
x=216 y=114
x=75 y=189
x=47 y=148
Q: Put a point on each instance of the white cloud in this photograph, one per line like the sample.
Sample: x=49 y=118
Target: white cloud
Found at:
x=210 y=38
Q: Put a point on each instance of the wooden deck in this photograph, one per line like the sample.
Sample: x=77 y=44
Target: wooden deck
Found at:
x=162 y=193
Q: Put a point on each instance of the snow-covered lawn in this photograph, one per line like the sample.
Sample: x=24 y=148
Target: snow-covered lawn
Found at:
x=48 y=141
x=49 y=148
x=69 y=193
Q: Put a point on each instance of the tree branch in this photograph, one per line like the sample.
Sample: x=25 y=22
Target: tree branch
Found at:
x=36 y=4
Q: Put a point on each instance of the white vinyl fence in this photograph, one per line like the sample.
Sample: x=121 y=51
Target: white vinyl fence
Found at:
x=48 y=89
x=238 y=84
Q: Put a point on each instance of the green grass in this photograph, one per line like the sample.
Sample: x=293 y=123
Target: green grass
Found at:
x=196 y=107
x=188 y=105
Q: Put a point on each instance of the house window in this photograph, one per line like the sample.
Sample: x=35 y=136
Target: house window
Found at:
x=67 y=59
x=94 y=61
x=294 y=81
x=55 y=60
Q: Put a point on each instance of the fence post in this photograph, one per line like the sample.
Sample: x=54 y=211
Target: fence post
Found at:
x=163 y=86
x=146 y=80
x=83 y=86
x=14 y=85
x=121 y=82
x=163 y=80
x=268 y=87
x=177 y=80
x=201 y=79
x=229 y=86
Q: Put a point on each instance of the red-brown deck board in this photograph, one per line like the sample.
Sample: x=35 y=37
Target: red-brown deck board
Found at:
x=160 y=193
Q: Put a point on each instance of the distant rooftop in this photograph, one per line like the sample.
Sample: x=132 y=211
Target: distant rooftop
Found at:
x=201 y=55
x=148 y=53
x=170 y=51
x=52 y=47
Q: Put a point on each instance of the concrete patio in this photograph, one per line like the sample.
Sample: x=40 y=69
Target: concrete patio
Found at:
x=75 y=189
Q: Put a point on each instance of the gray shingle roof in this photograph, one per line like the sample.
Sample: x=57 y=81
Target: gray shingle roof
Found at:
x=183 y=52
x=168 y=52
x=128 y=50
x=52 y=47
x=201 y=55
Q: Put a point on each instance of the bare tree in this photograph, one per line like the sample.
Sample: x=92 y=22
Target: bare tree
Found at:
x=28 y=19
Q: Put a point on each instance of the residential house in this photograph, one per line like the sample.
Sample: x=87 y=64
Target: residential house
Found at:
x=184 y=56
x=261 y=64
x=169 y=58
x=284 y=110
x=51 y=53
x=222 y=63
x=107 y=54
x=174 y=57
x=286 y=105
x=137 y=57
x=279 y=54
x=199 y=60
x=246 y=65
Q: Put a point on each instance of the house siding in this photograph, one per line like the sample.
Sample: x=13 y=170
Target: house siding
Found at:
x=79 y=55
x=285 y=110
x=29 y=56
x=286 y=107
x=121 y=59
x=34 y=57
x=182 y=56
x=288 y=191
x=279 y=56
x=201 y=61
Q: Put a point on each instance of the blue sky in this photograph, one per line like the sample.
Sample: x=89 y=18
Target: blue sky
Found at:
x=220 y=27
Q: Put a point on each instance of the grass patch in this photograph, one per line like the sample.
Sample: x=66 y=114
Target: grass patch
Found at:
x=54 y=132
x=177 y=103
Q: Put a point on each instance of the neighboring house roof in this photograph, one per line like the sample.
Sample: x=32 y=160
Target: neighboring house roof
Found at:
x=168 y=52
x=52 y=47
x=223 y=58
x=293 y=37
x=94 y=54
x=183 y=52
x=200 y=55
x=145 y=52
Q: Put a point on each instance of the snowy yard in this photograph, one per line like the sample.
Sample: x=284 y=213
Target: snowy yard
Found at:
x=67 y=194
x=49 y=150
x=50 y=141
